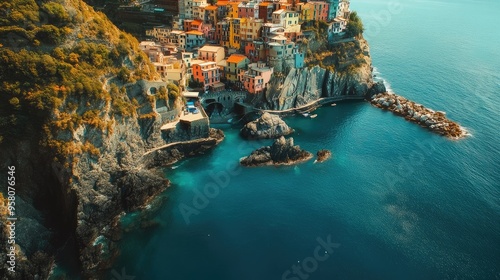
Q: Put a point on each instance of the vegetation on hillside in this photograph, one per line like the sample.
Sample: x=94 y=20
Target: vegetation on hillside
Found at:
x=55 y=58
x=343 y=56
x=354 y=26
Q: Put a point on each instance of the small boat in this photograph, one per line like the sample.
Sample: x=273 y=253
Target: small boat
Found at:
x=333 y=104
x=313 y=116
x=230 y=120
x=305 y=114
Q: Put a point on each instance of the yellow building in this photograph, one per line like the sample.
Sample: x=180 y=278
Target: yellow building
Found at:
x=249 y=28
x=234 y=33
x=291 y=19
x=306 y=12
x=235 y=63
x=233 y=9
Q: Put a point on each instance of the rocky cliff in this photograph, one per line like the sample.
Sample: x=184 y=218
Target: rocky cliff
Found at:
x=342 y=71
x=76 y=121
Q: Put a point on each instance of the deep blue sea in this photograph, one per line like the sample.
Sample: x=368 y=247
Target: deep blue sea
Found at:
x=394 y=202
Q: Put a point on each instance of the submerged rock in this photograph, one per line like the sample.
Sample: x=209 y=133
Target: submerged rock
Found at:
x=267 y=126
x=282 y=152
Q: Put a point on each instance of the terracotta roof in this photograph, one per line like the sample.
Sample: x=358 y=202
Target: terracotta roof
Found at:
x=222 y=3
x=236 y=58
x=197 y=21
x=211 y=8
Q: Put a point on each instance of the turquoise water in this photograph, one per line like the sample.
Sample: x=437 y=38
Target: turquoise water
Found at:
x=402 y=203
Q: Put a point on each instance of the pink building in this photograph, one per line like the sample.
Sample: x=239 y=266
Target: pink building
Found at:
x=257 y=77
x=320 y=10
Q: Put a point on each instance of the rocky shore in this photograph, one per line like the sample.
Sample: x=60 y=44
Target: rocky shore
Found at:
x=282 y=152
x=171 y=154
x=265 y=127
x=323 y=155
x=435 y=121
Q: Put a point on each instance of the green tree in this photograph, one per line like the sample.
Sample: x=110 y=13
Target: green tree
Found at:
x=354 y=26
x=124 y=75
x=173 y=91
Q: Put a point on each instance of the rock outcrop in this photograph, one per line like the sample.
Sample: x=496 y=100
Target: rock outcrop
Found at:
x=323 y=155
x=267 y=126
x=417 y=113
x=282 y=152
x=305 y=85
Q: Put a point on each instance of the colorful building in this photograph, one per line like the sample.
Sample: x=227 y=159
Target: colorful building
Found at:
x=194 y=39
x=338 y=8
x=211 y=53
x=250 y=28
x=320 y=11
x=176 y=37
x=233 y=9
x=193 y=24
x=298 y=58
x=211 y=14
x=306 y=12
x=257 y=77
x=222 y=9
x=248 y=10
x=234 y=33
x=222 y=33
x=187 y=57
x=266 y=10
x=206 y=72
x=199 y=12
x=235 y=63
x=255 y=51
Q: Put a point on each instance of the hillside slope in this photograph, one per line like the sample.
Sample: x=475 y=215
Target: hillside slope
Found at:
x=75 y=119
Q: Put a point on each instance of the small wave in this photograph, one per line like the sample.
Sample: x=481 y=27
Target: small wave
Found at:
x=296 y=169
x=377 y=77
x=387 y=86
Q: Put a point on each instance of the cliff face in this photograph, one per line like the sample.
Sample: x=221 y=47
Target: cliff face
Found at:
x=349 y=76
x=76 y=119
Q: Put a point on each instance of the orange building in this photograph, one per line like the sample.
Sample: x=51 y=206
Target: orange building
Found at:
x=193 y=24
x=206 y=72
